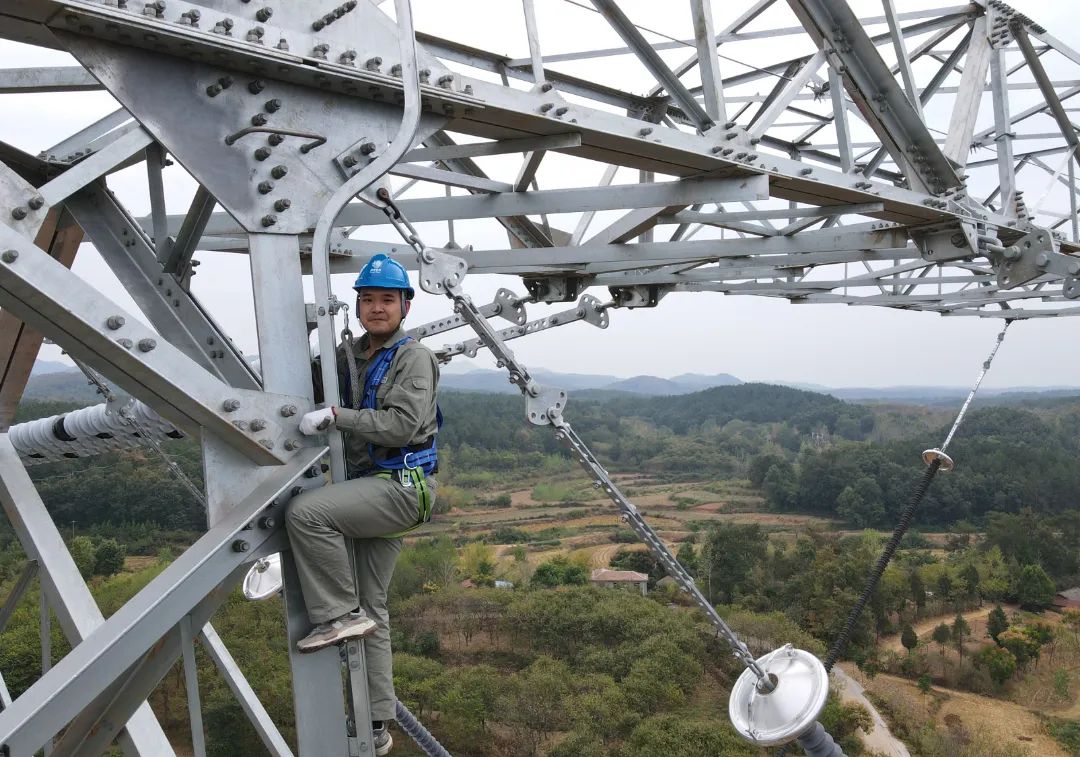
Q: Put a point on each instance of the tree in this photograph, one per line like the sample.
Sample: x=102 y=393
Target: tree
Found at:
x=1071 y=618
x=1034 y=589
x=970 y=576
x=730 y=553
x=941 y=636
x=781 y=486
x=82 y=552
x=996 y=622
x=918 y=591
x=960 y=632
x=1022 y=646
x=909 y=638
x=999 y=662
x=759 y=467
x=676 y=734
x=688 y=558
x=109 y=557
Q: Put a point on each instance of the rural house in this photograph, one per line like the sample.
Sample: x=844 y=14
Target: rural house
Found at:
x=611 y=578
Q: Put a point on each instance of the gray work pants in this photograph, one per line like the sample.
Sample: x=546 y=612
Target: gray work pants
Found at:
x=324 y=526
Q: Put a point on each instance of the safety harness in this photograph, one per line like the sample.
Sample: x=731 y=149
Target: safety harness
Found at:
x=412 y=464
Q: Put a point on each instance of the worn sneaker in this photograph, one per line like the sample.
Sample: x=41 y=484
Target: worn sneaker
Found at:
x=349 y=626
x=383 y=741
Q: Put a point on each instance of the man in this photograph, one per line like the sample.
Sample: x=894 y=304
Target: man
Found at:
x=389 y=418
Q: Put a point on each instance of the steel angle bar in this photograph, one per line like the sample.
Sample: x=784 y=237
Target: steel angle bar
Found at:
x=654 y=63
x=450 y=178
x=499 y=147
x=73 y=146
x=506 y=305
x=903 y=61
x=689 y=216
x=782 y=97
x=94 y=330
x=162 y=296
x=969 y=96
x=128 y=145
x=249 y=702
x=1050 y=95
x=519 y=227
x=876 y=93
x=29 y=572
x=195 y=577
x=46 y=79
x=177 y=259
x=712 y=85
x=71 y=600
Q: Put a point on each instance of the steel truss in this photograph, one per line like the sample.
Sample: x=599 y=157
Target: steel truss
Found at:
x=815 y=169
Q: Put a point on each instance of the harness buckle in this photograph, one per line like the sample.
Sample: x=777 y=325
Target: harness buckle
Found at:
x=405 y=461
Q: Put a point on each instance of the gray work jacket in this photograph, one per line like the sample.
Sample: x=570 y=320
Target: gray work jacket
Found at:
x=404 y=413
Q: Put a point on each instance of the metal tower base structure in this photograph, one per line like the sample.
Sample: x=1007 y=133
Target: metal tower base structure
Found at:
x=284 y=112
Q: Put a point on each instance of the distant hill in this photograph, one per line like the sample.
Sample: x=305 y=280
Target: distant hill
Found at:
x=67 y=385
x=48 y=366
x=496 y=381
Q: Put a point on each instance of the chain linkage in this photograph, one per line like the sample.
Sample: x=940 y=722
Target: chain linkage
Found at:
x=441 y=273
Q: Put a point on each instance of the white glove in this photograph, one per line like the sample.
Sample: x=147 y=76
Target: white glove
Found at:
x=317 y=421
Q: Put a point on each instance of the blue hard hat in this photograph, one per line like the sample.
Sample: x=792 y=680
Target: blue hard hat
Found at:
x=383 y=272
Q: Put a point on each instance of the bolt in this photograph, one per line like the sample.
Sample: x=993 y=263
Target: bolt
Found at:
x=373 y=64
x=1042 y=260
x=256 y=86
x=258 y=424
x=231 y=405
x=350 y=161
x=278 y=172
x=291 y=444
x=18 y=213
x=275 y=139
x=240 y=546
x=559 y=112
x=264 y=14
x=367 y=148
x=266 y=187
x=213 y=90
x=268 y=220
x=288 y=411
x=267 y=522
x=446 y=80
x=273 y=106
x=146 y=345
x=546 y=107
x=9 y=256
x=36 y=202
x=115 y=322
x=259 y=119
x=1074 y=268
x=262 y=153
x=283 y=204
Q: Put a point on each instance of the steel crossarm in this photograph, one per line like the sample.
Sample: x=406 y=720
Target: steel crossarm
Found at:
x=127 y=644
x=59 y=304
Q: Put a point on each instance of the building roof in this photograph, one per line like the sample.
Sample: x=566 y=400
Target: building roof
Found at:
x=603 y=574
x=1072 y=594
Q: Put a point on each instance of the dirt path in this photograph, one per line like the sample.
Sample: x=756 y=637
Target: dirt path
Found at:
x=879 y=739
x=975 y=618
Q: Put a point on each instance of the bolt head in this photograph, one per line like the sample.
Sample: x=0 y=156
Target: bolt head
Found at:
x=146 y=345
x=283 y=204
x=18 y=213
x=9 y=256
x=231 y=405
x=268 y=221
x=240 y=546
x=115 y=322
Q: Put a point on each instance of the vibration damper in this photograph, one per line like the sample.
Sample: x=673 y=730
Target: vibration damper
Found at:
x=801 y=685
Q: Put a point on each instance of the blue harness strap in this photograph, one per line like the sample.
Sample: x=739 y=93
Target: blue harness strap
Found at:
x=426 y=459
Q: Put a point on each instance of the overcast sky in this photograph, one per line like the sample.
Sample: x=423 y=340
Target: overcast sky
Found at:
x=751 y=337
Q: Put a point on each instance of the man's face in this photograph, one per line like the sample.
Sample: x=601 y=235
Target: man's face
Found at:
x=380 y=310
